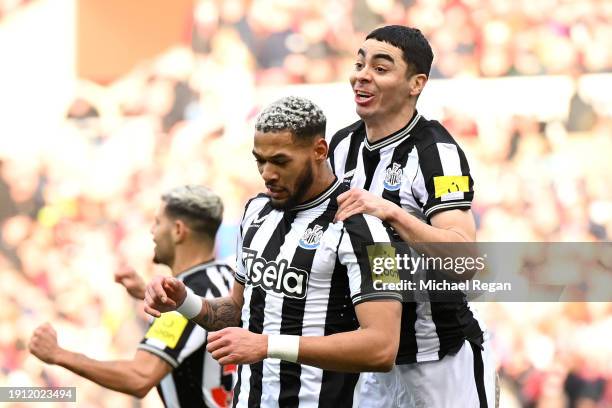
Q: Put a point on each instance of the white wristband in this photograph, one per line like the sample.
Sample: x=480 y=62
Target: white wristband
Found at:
x=284 y=346
x=191 y=305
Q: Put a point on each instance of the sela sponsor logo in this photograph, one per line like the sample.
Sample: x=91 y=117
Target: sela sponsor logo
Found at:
x=311 y=238
x=393 y=177
x=275 y=276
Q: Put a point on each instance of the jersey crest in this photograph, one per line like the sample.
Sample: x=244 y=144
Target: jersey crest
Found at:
x=311 y=238
x=393 y=177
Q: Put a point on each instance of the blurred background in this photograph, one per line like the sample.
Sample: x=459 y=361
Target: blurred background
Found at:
x=105 y=104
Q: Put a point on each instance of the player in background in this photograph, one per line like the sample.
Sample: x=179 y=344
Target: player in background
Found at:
x=310 y=319
x=172 y=354
x=410 y=172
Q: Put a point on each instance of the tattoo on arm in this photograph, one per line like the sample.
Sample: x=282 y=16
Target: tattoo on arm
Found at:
x=217 y=314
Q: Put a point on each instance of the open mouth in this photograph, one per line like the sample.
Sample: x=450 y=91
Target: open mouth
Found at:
x=363 y=97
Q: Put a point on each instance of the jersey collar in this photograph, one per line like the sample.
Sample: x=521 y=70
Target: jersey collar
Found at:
x=394 y=137
x=319 y=198
x=196 y=268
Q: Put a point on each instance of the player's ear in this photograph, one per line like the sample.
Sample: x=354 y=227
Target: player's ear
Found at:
x=179 y=231
x=321 y=148
x=417 y=83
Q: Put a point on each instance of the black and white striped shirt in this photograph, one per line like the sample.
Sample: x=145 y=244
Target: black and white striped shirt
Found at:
x=197 y=380
x=422 y=169
x=302 y=275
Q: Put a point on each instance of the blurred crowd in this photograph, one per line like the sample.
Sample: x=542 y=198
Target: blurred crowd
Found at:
x=315 y=41
x=78 y=206
x=9 y=6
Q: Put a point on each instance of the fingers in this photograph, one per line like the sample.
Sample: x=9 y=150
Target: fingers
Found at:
x=345 y=201
x=225 y=356
x=44 y=330
x=349 y=210
x=156 y=289
x=221 y=348
x=156 y=296
x=230 y=359
x=344 y=196
x=151 y=311
x=212 y=336
x=173 y=284
x=217 y=339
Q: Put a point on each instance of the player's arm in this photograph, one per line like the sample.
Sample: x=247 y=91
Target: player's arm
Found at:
x=135 y=377
x=165 y=294
x=447 y=226
x=455 y=225
x=371 y=348
x=445 y=193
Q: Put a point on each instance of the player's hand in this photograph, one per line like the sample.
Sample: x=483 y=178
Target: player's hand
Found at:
x=359 y=201
x=43 y=343
x=164 y=294
x=235 y=345
x=132 y=282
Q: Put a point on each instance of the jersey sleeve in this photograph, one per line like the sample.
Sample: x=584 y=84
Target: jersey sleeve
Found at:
x=173 y=338
x=444 y=181
x=365 y=238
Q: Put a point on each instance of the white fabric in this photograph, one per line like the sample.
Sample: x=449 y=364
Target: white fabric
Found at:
x=191 y=305
x=284 y=347
x=447 y=383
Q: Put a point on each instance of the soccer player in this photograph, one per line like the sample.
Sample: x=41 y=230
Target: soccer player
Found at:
x=172 y=355
x=411 y=173
x=304 y=298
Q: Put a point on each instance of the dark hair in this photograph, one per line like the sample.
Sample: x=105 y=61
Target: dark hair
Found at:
x=199 y=207
x=299 y=115
x=416 y=50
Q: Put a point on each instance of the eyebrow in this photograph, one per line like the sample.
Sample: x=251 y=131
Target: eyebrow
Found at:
x=377 y=56
x=275 y=157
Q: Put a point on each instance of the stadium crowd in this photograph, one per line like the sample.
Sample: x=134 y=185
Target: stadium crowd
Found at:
x=79 y=206
x=315 y=41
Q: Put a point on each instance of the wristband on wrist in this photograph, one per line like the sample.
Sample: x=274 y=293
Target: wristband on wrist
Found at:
x=191 y=305
x=284 y=346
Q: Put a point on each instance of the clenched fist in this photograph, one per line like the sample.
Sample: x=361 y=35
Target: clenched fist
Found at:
x=43 y=343
x=132 y=282
x=164 y=294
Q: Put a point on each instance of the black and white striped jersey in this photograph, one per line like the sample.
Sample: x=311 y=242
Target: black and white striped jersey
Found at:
x=197 y=380
x=302 y=275
x=422 y=169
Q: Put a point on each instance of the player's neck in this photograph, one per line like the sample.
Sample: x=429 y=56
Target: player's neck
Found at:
x=188 y=257
x=378 y=128
x=321 y=183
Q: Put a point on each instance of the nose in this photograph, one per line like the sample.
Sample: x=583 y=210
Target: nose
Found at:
x=363 y=75
x=268 y=173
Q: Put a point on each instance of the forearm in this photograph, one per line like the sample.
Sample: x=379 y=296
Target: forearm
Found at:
x=218 y=313
x=122 y=376
x=354 y=351
x=419 y=234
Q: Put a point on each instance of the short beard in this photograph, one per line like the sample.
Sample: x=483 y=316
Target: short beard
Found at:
x=302 y=185
x=160 y=261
